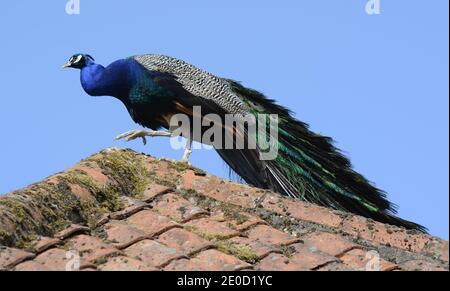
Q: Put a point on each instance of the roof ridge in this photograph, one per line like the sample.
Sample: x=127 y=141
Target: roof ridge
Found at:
x=119 y=203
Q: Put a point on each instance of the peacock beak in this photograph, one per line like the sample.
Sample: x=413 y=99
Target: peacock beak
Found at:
x=67 y=65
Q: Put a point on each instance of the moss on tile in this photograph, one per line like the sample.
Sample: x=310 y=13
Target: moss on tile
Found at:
x=230 y=211
x=79 y=177
x=179 y=166
x=127 y=169
x=162 y=181
x=26 y=242
x=104 y=195
x=233 y=212
x=15 y=207
x=213 y=237
x=288 y=251
x=5 y=237
x=243 y=252
x=104 y=198
x=92 y=212
x=58 y=206
x=45 y=211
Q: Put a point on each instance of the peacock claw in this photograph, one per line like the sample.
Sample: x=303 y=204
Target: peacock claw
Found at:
x=139 y=133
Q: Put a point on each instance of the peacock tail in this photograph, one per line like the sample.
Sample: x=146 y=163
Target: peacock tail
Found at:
x=310 y=168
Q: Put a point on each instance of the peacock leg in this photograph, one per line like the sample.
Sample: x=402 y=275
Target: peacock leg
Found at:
x=187 y=151
x=134 y=134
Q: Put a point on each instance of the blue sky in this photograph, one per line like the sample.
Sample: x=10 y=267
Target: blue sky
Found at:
x=378 y=84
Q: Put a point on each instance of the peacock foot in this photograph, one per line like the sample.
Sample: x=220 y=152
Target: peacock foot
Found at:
x=139 y=133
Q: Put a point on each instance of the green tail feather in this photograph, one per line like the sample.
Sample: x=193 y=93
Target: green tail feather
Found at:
x=310 y=168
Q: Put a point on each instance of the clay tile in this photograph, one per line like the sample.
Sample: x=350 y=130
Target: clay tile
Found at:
x=72 y=230
x=10 y=257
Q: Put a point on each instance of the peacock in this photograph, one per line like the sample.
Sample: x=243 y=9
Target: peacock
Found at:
x=155 y=88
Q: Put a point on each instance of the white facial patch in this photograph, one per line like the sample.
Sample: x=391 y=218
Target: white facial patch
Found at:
x=79 y=57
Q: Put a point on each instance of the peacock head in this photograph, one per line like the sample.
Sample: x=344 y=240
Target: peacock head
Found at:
x=79 y=61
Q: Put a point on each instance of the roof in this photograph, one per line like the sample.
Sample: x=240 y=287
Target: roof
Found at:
x=121 y=210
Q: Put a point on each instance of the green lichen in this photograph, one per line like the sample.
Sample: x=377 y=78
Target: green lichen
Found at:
x=4 y=237
x=233 y=212
x=243 y=252
x=92 y=212
x=26 y=242
x=198 y=172
x=213 y=237
x=230 y=211
x=127 y=169
x=104 y=199
x=179 y=166
x=104 y=195
x=105 y=259
x=162 y=181
x=68 y=246
x=80 y=178
x=37 y=210
x=58 y=206
x=16 y=208
x=48 y=207
x=288 y=251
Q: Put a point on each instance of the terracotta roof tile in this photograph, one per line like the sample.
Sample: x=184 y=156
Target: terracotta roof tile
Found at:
x=270 y=236
x=209 y=260
x=186 y=242
x=150 y=222
x=211 y=228
x=334 y=266
x=93 y=170
x=301 y=258
x=153 y=253
x=54 y=259
x=385 y=234
x=421 y=265
x=307 y=212
x=177 y=208
x=329 y=243
x=128 y=211
x=120 y=210
x=257 y=249
x=241 y=220
x=44 y=243
x=91 y=248
x=220 y=190
x=9 y=257
x=72 y=230
x=358 y=259
x=154 y=190
x=31 y=266
x=122 y=234
x=125 y=264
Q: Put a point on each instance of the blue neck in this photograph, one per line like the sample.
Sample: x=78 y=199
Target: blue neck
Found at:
x=111 y=81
